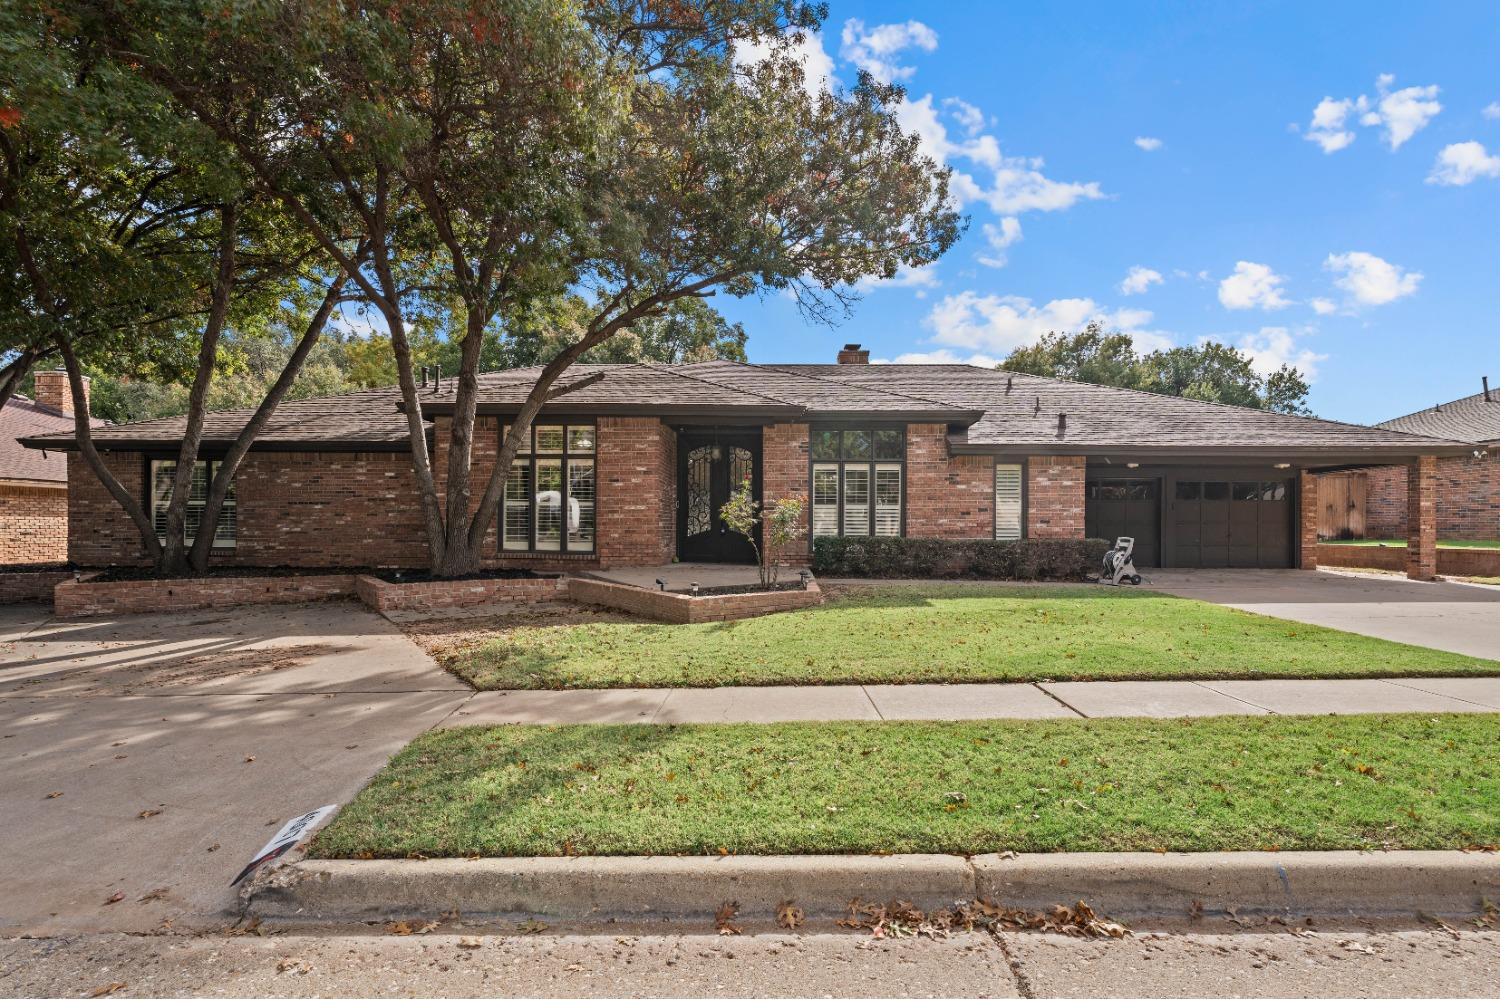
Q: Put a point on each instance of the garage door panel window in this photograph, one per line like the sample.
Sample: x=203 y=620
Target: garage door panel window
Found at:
x=857 y=482
x=1236 y=523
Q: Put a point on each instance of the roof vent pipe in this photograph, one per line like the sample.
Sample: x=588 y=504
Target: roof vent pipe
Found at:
x=1038 y=408
x=424 y=376
x=1062 y=424
x=1009 y=384
x=437 y=377
x=1486 y=380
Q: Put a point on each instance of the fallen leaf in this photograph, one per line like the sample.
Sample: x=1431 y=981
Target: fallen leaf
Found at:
x=789 y=915
x=154 y=895
x=1358 y=948
x=148 y=813
x=54 y=794
x=470 y=943
x=724 y=919
x=110 y=989
x=288 y=964
x=116 y=897
x=532 y=926
x=249 y=759
x=405 y=928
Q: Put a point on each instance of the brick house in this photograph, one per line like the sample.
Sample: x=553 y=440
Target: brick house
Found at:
x=632 y=469
x=1467 y=484
x=34 y=485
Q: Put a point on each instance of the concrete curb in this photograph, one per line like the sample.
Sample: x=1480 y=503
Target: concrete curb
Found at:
x=1121 y=885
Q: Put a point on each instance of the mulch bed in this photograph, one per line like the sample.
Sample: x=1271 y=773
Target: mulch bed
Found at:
x=134 y=573
x=720 y=591
x=423 y=576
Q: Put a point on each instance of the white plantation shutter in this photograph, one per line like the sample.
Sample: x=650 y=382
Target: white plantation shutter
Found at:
x=825 y=505
x=1007 y=502
x=888 y=501
x=856 y=500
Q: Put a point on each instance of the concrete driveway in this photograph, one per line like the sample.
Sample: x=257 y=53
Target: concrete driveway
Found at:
x=1454 y=617
x=151 y=756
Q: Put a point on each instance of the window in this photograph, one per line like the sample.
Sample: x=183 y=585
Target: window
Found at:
x=857 y=482
x=1008 y=502
x=551 y=493
x=162 y=473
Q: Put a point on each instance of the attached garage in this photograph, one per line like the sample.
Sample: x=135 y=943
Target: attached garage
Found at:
x=1197 y=518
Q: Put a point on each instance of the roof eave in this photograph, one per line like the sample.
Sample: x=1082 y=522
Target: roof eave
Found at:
x=1333 y=453
x=212 y=444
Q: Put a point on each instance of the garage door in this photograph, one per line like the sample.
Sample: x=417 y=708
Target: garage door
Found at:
x=1231 y=524
x=1129 y=508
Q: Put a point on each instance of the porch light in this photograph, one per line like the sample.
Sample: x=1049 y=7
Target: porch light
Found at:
x=1132 y=464
x=1282 y=464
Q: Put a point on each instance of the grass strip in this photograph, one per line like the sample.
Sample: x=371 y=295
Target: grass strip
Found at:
x=1370 y=781
x=964 y=633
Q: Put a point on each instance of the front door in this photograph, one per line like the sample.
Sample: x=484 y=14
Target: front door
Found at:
x=710 y=468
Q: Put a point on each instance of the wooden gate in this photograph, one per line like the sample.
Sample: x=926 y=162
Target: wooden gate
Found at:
x=1341 y=504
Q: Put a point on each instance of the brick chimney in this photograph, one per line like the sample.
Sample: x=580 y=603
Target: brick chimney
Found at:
x=852 y=354
x=52 y=391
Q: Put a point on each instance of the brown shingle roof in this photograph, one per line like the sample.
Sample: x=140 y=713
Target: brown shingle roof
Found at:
x=1021 y=411
x=23 y=418
x=1472 y=418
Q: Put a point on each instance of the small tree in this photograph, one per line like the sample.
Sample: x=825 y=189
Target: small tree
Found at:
x=742 y=514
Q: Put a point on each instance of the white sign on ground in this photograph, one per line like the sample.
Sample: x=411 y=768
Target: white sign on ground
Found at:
x=291 y=834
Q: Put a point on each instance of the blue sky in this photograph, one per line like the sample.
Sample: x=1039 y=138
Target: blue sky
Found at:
x=1314 y=182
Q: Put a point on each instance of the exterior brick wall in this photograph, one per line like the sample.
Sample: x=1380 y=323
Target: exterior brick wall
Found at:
x=1055 y=497
x=382 y=596
x=33 y=524
x=142 y=596
x=16 y=587
x=637 y=472
x=99 y=532
x=1450 y=561
x=784 y=475
x=1307 y=520
x=1468 y=499
x=946 y=496
x=679 y=609
x=1421 y=518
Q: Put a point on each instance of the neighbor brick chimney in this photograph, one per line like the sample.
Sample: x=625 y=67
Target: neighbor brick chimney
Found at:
x=52 y=392
x=852 y=354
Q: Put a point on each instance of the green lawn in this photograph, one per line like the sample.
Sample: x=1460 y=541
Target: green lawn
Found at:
x=1315 y=783
x=1401 y=543
x=937 y=633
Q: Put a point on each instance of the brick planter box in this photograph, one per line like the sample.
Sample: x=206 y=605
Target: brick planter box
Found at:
x=678 y=608
x=1450 y=561
x=144 y=596
x=384 y=597
x=18 y=587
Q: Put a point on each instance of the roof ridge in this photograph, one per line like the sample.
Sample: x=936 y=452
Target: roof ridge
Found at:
x=1441 y=406
x=672 y=369
x=835 y=381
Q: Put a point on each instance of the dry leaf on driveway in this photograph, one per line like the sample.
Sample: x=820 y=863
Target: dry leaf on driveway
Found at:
x=724 y=919
x=789 y=915
x=109 y=989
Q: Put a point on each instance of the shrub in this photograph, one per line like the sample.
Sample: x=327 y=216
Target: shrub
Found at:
x=934 y=558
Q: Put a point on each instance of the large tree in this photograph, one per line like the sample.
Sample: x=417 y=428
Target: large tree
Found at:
x=129 y=239
x=1210 y=371
x=496 y=155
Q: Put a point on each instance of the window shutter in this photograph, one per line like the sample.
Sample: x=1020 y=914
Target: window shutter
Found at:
x=1007 y=502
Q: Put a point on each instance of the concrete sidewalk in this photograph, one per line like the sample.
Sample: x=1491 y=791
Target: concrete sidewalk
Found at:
x=966 y=701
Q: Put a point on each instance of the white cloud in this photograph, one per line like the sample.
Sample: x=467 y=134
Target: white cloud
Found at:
x=1369 y=280
x=1491 y=110
x=1463 y=163
x=1403 y=113
x=1138 y=279
x=1252 y=286
x=1327 y=128
x=944 y=357
x=874 y=49
x=997 y=324
x=1000 y=237
x=805 y=47
x=906 y=276
x=1274 y=346
x=1324 y=306
x=1148 y=143
x=967 y=115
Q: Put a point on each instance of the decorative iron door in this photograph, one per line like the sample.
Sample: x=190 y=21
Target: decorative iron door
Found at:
x=710 y=467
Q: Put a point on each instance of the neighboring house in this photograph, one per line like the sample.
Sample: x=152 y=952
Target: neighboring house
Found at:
x=34 y=484
x=1468 y=485
x=633 y=469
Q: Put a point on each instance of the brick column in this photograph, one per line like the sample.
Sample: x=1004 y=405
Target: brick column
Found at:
x=1421 y=518
x=1054 y=497
x=784 y=455
x=1307 y=520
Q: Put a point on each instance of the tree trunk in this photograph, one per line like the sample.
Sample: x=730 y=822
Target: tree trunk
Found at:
x=219 y=489
x=85 y=437
x=10 y=378
x=172 y=556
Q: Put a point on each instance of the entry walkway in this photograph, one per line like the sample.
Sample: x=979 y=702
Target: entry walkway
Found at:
x=970 y=701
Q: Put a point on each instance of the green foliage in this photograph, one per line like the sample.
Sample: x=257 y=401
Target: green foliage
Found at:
x=1209 y=372
x=1206 y=784
x=768 y=532
x=936 y=558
